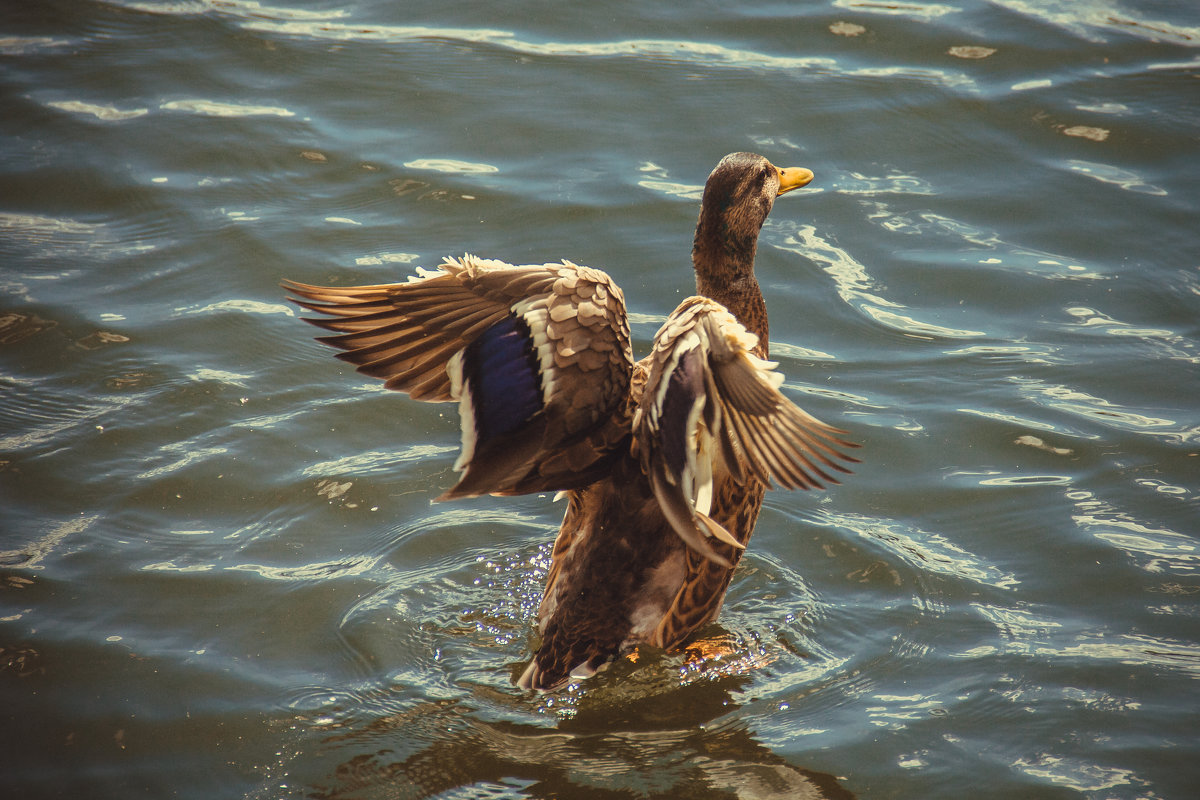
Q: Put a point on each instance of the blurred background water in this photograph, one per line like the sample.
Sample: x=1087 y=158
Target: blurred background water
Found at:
x=221 y=574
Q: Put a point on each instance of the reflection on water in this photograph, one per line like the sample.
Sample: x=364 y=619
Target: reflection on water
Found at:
x=618 y=742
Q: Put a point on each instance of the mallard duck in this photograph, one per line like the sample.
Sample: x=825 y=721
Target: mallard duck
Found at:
x=663 y=461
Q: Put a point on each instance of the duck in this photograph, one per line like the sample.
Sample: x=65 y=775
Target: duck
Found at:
x=663 y=462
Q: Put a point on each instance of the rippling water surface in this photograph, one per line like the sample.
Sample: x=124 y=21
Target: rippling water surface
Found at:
x=221 y=574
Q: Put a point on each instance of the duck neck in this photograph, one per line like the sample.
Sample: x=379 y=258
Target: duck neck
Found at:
x=724 y=264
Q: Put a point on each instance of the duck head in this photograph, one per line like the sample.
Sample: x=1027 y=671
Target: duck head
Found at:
x=738 y=196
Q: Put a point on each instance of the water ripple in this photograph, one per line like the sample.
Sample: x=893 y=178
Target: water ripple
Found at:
x=214 y=108
x=919 y=11
x=928 y=552
x=320 y=25
x=451 y=165
x=858 y=289
x=375 y=461
x=1095 y=18
x=23 y=45
x=1096 y=409
x=107 y=113
x=1154 y=549
x=317 y=571
x=31 y=555
x=1106 y=173
x=1161 y=341
x=41 y=416
x=42 y=231
x=1095 y=780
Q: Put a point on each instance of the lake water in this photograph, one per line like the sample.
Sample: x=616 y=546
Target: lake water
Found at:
x=221 y=573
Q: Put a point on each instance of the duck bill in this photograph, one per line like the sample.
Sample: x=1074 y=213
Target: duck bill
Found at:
x=793 y=178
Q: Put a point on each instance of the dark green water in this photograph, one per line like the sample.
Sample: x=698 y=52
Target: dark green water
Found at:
x=221 y=574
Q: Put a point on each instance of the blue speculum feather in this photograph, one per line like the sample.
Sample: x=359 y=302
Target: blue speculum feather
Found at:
x=506 y=387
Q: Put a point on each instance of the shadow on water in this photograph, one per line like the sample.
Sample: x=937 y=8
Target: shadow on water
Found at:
x=634 y=732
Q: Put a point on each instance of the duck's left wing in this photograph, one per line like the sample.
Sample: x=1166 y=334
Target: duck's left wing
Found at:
x=710 y=405
x=538 y=358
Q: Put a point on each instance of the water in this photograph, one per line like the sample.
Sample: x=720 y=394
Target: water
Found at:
x=220 y=571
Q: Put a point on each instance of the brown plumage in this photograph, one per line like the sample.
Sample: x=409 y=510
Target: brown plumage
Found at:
x=664 y=461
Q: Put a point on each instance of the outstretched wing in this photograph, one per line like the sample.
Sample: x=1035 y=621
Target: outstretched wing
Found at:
x=710 y=405
x=538 y=358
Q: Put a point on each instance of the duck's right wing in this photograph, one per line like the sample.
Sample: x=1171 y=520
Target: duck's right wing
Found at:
x=710 y=403
x=538 y=358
